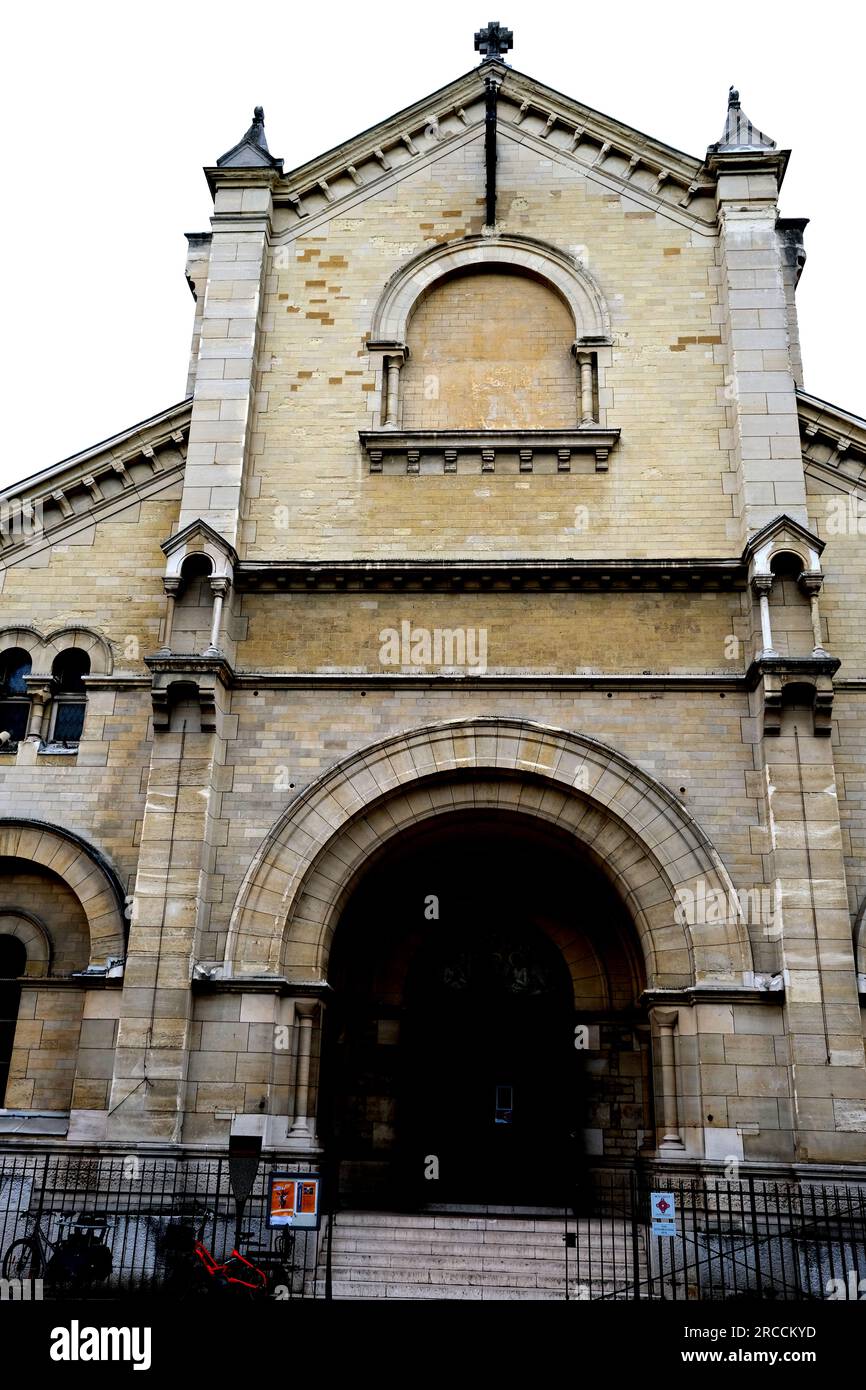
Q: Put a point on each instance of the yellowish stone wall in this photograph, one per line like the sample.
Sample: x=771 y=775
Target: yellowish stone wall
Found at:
x=668 y=488
x=490 y=351
x=557 y=632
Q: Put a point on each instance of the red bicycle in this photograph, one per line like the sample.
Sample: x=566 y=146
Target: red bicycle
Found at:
x=192 y=1269
x=235 y=1275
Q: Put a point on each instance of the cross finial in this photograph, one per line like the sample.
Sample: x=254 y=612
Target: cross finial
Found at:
x=493 y=41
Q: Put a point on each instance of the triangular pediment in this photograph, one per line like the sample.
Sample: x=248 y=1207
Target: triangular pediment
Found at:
x=783 y=531
x=198 y=536
x=603 y=148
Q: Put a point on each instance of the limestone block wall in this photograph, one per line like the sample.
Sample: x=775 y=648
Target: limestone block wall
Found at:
x=45 y=1056
x=109 y=579
x=837 y=513
x=558 y=632
x=243 y=1058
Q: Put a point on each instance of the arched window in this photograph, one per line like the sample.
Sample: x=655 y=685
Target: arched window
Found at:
x=15 y=666
x=13 y=959
x=70 y=698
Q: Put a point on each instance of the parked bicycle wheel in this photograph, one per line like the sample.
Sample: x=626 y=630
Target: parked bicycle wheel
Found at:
x=23 y=1259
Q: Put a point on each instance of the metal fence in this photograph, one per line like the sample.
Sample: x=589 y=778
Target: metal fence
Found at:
x=143 y=1211
x=744 y=1238
x=747 y=1238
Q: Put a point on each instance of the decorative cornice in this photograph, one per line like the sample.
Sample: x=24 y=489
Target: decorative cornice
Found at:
x=440 y=576
x=833 y=442
x=712 y=994
x=443 y=448
x=794 y=666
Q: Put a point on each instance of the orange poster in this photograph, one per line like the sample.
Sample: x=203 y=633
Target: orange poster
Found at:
x=282 y=1198
x=294 y=1200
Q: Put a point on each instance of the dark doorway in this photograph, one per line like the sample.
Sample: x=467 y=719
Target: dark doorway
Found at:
x=489 y=1076
x=13 y=959
x=449 y=1046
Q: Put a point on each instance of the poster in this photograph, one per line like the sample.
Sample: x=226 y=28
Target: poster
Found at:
x=294 y=1200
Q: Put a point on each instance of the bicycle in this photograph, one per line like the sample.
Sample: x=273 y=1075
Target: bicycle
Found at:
x=81 y=1258
x=193 y=1270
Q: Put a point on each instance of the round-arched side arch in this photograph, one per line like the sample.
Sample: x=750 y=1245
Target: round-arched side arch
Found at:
x=631 y=826
x=44 y=648
x=83 y=869
x=524 y=255
x=33 y=934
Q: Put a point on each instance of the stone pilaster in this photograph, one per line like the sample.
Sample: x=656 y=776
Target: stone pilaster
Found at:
x=179 y=837
x=762 y=348
x=230 y=329
x=812 y=927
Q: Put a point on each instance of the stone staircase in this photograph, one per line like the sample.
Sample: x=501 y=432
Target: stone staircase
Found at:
x=439 y=1256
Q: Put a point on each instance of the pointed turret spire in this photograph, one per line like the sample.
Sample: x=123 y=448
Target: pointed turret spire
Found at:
x=251 y=150
x=739 y=133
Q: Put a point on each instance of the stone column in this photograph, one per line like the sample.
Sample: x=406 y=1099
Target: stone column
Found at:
x=39 y=694
x=302 y=1134
x=810 y=585
x=587 y=408
x=392 y=396
x=219 y=589
x=172 y=589
x=820 y=1090
x=666 y=1021
x=180 y=832
x=762 y=585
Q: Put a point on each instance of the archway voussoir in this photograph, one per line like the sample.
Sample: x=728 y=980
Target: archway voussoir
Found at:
x=10 y=837
x=630 y=825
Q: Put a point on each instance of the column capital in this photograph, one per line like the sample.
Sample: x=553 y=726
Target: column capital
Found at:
x=665 y=1018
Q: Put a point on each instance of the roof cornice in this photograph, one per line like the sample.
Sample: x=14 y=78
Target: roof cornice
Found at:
x=57 y=502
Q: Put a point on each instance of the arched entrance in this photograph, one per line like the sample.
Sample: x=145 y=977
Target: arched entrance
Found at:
x=472 y=948
x=13 y=960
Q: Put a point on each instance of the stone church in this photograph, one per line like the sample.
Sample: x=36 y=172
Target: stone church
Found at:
x=436 y=746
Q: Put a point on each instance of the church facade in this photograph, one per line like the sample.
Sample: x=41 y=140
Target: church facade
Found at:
x=437 y=745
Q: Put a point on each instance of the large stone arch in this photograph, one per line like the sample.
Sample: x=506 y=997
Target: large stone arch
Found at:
x=562 y=272
x=633 y=828
x=83 y=869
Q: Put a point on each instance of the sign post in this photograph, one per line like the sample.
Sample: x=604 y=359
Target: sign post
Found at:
x=245 y=1151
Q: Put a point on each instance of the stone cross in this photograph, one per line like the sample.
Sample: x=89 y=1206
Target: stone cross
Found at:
x=493 y=41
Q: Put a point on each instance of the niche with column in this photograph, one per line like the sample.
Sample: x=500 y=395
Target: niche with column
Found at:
x=198 y=581
x=791 y=666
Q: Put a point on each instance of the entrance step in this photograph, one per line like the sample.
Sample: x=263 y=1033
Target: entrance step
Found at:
x=396 y=1255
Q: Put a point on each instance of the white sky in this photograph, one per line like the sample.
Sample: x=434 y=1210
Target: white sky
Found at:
x=109 y=112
